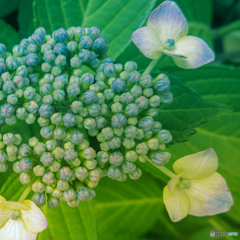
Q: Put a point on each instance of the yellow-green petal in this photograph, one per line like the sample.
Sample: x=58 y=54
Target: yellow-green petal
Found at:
x=209 y=196
x=33 y=218
x=198 y=165
x=177 y=203
x=172 y=184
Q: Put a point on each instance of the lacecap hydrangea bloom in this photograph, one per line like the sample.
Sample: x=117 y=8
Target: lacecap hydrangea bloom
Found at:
x=20 y=221
x=197 y=189
x=166 y=32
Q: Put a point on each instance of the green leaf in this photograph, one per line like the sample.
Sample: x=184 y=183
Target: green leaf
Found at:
x=187 y=111
x=25 y=18
x=116 y=19
x=70 y=223
x=6 y=32
x=129 y=207
x=228 y=28
x=7 y=7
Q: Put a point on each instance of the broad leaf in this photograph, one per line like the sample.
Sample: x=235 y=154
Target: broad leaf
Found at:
x=7 y=7
x=25 y=18
x=6 y=32
x=116 y=19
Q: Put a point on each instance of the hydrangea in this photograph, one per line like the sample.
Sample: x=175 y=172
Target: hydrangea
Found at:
x=197 y=189
x=22 y=221
x=166 y=32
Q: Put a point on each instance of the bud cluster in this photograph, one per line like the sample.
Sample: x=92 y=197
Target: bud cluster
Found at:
x=96 y=118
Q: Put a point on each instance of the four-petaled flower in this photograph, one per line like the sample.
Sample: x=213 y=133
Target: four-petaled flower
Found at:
x=166 y=32
x=20 y=221
x=197 y=189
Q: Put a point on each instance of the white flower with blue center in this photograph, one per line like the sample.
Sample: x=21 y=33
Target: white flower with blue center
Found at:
x=20 y=221
x=166 y=32
x=197 y=189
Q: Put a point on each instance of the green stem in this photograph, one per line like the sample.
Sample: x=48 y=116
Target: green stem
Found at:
x=151 y=65
x=164 y=170
x=26 y=192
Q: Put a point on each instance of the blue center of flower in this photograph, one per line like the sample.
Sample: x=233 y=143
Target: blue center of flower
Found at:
x=15 y=214
x=184 y=183
x=169 y=44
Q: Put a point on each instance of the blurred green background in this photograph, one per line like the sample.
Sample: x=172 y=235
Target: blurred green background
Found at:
x=134 y=209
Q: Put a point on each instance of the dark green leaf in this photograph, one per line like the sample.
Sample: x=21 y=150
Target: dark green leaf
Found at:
x=25 y=18
x=7 y=7
x=8 y=35
x=116 y=19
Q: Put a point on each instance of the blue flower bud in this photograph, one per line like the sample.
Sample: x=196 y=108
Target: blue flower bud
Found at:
x=95 y=175
x=60 y=35
x=45 y=110
x=30 y=93
x=76 y=106
x=131 y=156
x=75 y=62
x=133 y=77
x=162 y=84
x=148 y=92
x=31 y=48
x=43 y=122
x=12 y=63
x=6 y=76
x=8 y=87
x=39 y=170
x=128 y=143
x=102 y=158
x=7 y=110
x=83 y=193
x=130 y=66
x=3 y=49
x=86 y=42
x=66 y=173
x=114 y=172
x=25 y=178
x=53 y=203
x=77 y=137
x=56 y=71
x=56 y=118
x=16 y=167
x=59 y=133
x=160 y=158
x=49 y=56
x=118 y=120
x=55 y=166
x=136 y=174
x=38 y=187
x=72 y=46
x=167 y=97
x=60 y=60
x=69 y=195
x=56 y=193
x=24 y=150
x=157 y=127
x=62 y=185
x=128 y=167
x=9 y=138
x=69 y=120
x=73 y=90
x=115 y=143
x=3 y=67
x=40 y=148
x=142 y=149
x=89 y=97
x=38 y=37
x=17 y=51
x=142 y=102
x=32 y=59
x=146 y=124
x=32 y=107
x=70 y=155
x=116 y=158
x=60 y=48
x=84 y=55
x=132 y=110
x=118 y=85
x=165 y=136
x=49 y=178
x=146 y=81
x=59 y=95
x=81 y=173
x=39 y=199
x=94 y=32
x=3 y=157
x=100 y=44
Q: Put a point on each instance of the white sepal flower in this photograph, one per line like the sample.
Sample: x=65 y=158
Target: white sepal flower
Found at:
x=20 y=221
x=166 y=32
x=197 y=189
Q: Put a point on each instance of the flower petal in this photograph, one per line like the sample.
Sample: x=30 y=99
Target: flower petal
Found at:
x=168 y=21
x=4 y=213
x=172 y=184
x=191 y=52
x=209 y=196
x=198 y=165
x=147 y=42
x=177 y=203
x=14 y=229
x=33 y=218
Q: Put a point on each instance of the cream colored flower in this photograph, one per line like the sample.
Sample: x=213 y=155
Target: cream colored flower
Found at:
x=20 y=221
x=166 y=32
x=197 y=189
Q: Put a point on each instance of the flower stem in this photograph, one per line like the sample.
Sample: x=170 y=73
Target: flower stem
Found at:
x=164 y=170
x=26 y=192
x=151 y=65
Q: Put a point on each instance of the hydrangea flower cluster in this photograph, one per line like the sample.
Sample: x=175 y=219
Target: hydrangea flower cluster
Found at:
x=96 y=118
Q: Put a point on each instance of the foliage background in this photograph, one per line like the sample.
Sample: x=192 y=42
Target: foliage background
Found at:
x=205 y=113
